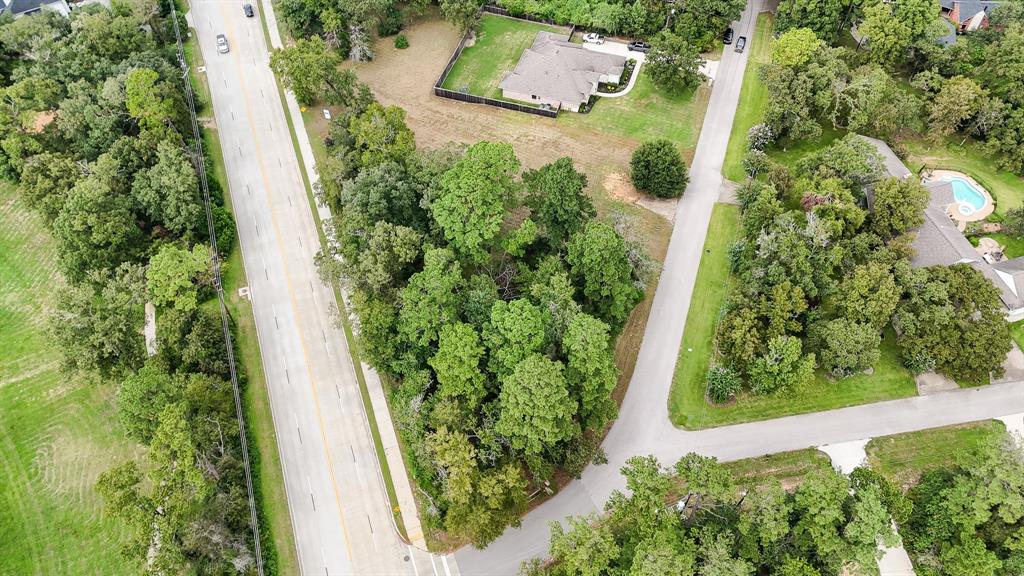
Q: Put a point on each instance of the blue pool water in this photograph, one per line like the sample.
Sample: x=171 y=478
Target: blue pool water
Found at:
x=971 y=200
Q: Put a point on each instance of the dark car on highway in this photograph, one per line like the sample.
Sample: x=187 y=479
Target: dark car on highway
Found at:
x=727 y=37
x=247 y=8
x=639 y=46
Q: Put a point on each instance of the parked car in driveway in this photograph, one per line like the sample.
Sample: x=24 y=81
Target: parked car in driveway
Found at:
x=741 y=43
x=639 y=46
x=593 y=38
x=727 y=37
x=247 y=9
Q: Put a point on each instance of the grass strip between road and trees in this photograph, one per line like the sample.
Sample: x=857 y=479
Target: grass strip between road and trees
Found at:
x=902 y=458
x=786 y=468
x=753 y=99
x=276 y=522
x=389 y=485
x=688 y=406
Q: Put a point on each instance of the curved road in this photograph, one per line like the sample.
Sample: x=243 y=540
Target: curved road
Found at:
x=643 y=426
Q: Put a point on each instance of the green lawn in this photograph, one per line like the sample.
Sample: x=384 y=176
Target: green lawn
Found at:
x=789 y=152
x=787 y=468
x=499 y=43
x=903 y=457
x=1013 y=246
x=687 y=405
x=647 y=112
x=753 y=99
x=58 y=431
x=1017 y=331
x=709 y=292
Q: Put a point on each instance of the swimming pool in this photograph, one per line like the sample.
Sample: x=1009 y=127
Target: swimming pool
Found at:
x=969 y=198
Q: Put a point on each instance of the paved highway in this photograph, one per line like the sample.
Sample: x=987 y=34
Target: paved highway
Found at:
x=643 y=426
x=339 y=510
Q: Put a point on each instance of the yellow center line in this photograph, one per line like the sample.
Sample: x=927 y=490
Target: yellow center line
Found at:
x=287 y=277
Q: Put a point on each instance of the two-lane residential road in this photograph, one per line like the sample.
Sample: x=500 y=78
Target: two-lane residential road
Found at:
x=340 y=513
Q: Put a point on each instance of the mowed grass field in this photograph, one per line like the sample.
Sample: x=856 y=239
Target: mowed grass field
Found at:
x=58 y=432
x=753 y=99
x=688 y=407
x=500 y=42
x=902 y=458
x=647 y=113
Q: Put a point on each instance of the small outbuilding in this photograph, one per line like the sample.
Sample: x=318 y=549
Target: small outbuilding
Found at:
x=560 y=74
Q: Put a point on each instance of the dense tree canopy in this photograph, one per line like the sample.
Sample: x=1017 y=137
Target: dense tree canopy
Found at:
x=819 y=285
x=694 y=520
x=966 y=514
x=657 y=169
x=96 y=137
x=491 y=299
x=673 y=63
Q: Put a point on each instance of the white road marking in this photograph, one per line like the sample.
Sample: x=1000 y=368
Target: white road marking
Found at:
x=444 y=560
x=296 y=418
x=412 y=558
x=310 y=486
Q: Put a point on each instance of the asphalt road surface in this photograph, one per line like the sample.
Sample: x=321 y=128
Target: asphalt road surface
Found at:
x=339 y=510
x=643 y=426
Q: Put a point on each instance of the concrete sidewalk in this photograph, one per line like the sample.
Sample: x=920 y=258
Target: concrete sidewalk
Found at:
x=845 y=457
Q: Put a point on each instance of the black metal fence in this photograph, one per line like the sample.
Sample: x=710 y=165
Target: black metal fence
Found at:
x=439 y=90
x=464 y=97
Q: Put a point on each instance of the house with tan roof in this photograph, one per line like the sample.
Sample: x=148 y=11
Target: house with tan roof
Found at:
x=560 y=74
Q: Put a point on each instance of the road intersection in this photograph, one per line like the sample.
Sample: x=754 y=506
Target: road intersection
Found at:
x=644 y=427
x=339 y=510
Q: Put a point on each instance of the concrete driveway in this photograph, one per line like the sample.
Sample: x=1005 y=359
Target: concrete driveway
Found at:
x=619 y=49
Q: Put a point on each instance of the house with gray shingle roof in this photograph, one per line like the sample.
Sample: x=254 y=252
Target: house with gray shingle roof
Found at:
x=558 y=73
x=939 y=241
x=967 y=15
x=19 y=8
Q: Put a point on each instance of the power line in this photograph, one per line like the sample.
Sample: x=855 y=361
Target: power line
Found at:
x=200 y=164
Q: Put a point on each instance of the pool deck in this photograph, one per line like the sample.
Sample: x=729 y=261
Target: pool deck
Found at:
x=953 y=209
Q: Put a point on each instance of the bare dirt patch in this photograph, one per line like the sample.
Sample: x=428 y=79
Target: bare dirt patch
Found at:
x=619 y=187
x=405 y=78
